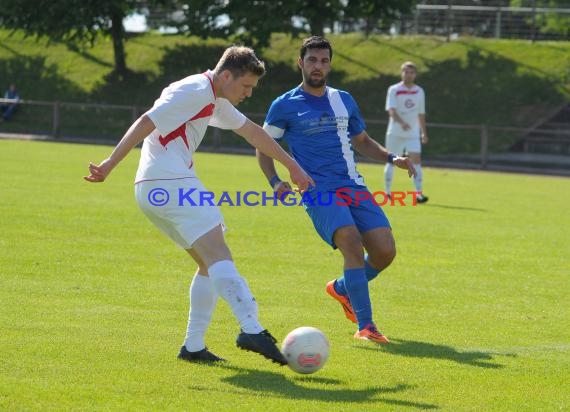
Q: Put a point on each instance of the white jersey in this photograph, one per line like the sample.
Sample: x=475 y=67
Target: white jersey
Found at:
x=181 y=115
x=408 y=103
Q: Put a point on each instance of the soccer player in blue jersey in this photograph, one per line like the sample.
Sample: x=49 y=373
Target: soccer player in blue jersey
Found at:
x=322 y=125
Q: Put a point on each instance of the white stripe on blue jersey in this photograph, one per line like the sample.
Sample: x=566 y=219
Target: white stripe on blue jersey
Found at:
x=341 y=115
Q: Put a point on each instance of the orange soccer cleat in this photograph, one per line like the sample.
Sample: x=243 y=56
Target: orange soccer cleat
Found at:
x=372 y=334
x=343 y=300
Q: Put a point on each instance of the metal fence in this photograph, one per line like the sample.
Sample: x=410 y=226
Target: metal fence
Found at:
x=451 y=21
x=474 y=146
x=67 y=119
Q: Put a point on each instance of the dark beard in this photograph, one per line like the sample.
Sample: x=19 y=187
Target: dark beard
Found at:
x=316 y=83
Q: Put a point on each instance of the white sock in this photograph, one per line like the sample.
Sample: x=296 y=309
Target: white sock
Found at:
x=203 y=300
x=418 y=178
x=231 y=286
x=388 y=173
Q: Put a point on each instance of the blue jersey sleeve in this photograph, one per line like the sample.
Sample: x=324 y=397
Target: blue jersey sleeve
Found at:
x=275 y=116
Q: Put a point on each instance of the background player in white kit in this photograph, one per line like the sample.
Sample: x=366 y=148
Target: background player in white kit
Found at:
x=172 y=130
x=405 y=103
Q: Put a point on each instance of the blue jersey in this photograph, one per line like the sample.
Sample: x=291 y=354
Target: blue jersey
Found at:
x=318 y=132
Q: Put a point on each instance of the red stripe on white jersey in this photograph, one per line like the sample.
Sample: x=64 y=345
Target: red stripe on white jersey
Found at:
x=406 y=92
x=205 y=112
x=181 y=131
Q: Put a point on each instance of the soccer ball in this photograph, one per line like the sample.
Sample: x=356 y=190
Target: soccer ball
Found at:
x=306 y=349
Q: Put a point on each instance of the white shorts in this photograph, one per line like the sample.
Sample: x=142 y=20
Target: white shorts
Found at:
x=176 y=211
x=400 y=145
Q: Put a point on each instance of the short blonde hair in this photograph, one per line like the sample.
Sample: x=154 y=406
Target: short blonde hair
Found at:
x=240 y=60
x=408 y=65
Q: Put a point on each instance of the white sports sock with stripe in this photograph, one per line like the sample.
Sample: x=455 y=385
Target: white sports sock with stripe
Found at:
x=232 y=287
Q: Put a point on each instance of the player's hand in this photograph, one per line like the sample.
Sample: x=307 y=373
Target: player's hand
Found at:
x=98 y=173
x=282 y=189
x=405 y=163
x=301 y=178
x=424 y=139
x=406 y=126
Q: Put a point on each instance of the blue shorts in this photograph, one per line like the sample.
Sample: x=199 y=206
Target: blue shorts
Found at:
x=347 y=206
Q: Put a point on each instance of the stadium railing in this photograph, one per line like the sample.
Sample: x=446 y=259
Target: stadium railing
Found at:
x=456 y=145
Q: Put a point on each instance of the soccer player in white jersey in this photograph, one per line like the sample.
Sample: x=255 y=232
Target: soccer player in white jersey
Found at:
x=322 y=125
x=405 y=104
x=172 y=130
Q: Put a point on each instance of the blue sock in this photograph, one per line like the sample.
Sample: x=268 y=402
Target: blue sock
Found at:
x=356 y=285
x=340 y=287
x=371 y=272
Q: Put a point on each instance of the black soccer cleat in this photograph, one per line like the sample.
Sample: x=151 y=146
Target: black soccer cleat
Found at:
x=262 y=343
x=203 y=355
x=421 y=198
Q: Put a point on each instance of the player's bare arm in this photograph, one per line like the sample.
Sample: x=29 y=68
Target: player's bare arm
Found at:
x=394 y=115
x=258 y=138
x=267 y=166
x=140 y=129
x=368 y=147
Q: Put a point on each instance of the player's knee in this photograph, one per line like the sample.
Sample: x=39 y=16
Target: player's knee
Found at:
x=390 y=255
x=382 y=257
x=348 y=240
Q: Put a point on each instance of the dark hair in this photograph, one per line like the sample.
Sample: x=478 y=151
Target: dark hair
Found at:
x=315 y=42
x=240 y=60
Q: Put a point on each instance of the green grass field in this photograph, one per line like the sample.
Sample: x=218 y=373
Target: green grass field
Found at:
x=94 y=299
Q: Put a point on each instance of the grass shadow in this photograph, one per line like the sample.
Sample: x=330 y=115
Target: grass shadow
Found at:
x=38 y=80
x=471 y=209
x=405 y=51
x=73 y=48
x=418 y=349
x=475 y=48
x=368 y=67
x=132 y=88
x=299 y=387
